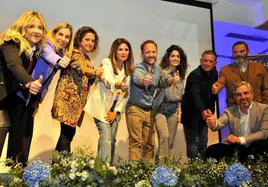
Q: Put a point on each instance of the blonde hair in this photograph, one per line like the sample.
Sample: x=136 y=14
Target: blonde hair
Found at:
x=17 y=32
x=50 y=36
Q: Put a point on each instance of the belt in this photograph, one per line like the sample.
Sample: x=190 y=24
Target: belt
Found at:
x=145 y=109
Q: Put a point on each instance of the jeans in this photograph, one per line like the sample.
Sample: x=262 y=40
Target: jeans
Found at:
x=107 y=139
x=196 y=139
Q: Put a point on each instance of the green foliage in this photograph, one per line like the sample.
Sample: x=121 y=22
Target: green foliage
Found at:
x=82 y=169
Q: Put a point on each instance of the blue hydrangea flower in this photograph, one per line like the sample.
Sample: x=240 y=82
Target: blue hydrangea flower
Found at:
x=164 y=175
x=236 y=174
x=35 y=172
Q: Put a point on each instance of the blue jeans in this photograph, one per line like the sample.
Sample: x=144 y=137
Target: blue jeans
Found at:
x=107 y=139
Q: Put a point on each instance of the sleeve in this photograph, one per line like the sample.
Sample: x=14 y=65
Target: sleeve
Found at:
x=222 y=121
x=222 y=79
x=262 y=132
x=195 y=91
x=264 y=88
x=14 y=64
x=50 y=55
x=79 y=64
x=163 y=83
x=108 y=74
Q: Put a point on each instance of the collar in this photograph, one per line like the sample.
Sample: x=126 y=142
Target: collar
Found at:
x=248 y=111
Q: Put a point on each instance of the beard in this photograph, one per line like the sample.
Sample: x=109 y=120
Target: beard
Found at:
x=240 y=61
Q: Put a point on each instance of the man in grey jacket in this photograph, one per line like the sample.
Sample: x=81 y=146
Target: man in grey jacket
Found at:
x=248 y=124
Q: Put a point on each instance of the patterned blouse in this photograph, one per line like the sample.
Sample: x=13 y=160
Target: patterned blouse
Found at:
x=72 y=89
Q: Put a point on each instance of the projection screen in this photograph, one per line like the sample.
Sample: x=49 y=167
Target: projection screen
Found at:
x=182 y=22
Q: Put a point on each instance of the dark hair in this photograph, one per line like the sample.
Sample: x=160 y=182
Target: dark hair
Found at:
x=240 y=43
x=128 y=64
x=146 y=42
x=81 y=32
x=209 y=52
x=183 y=60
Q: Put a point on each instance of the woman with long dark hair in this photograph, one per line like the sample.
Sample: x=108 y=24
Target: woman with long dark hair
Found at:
x=168 y=113
x=111 y=95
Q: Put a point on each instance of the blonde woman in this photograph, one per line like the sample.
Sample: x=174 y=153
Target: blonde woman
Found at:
x=20 y=45
x=56 y=54
x=111 y=95
x=73 y=86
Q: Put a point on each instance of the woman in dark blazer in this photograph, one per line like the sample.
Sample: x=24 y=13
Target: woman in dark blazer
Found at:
x=20 y=46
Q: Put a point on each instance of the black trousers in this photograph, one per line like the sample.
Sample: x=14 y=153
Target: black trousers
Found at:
x=220 y=150
x=3 y=133
x=66 y=136
x=21 y=131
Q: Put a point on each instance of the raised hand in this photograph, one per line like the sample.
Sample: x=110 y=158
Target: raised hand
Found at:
x=99 y=71
x=216 y=88
x=35 y=86
x=149 y=77
x=64 y=62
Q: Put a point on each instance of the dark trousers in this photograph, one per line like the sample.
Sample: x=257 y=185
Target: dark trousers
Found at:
x=66 y=136
x=21 y=131
x=220 y=150
x=196 y=139
x=3 y=133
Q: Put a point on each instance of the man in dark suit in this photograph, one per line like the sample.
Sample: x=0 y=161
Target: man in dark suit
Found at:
x=248 y=124
x=198 y=103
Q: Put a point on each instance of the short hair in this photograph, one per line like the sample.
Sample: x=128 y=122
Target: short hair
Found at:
x=241 y=83
x=209 y=52
x=81 y=32
x=146 y=42
x=183 y=60
x=240 y=43
x=56 y=29
x=130 y=60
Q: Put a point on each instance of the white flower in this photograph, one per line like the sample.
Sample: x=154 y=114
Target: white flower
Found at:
x=78 y=174
x=113 y=169
x=72 y=176
x=84 y=175
x=4 y=168
x=73 y=164
x=91 y=163
x=143 y=183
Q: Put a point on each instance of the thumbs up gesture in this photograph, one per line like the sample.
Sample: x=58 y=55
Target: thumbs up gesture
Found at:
x=64 y=61
x=216 y=88
x=36 y=85
x=98 y=71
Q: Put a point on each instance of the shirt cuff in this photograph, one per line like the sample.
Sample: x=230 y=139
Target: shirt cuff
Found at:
x=242 y=140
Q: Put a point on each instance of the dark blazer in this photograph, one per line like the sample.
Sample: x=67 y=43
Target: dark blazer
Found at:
x=13 y=69
x=198 y=96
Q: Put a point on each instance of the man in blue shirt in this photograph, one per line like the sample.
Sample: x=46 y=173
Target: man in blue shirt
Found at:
x=144 y=81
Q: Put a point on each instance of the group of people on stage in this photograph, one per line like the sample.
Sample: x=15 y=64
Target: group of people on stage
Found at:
x=152 y=96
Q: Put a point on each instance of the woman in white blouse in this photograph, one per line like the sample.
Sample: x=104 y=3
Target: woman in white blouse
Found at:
x=110 y=96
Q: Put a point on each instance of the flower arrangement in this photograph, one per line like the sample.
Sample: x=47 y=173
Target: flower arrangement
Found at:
x=237 y=175
x=35 y=172
x=163 y=175
x=82 y=169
